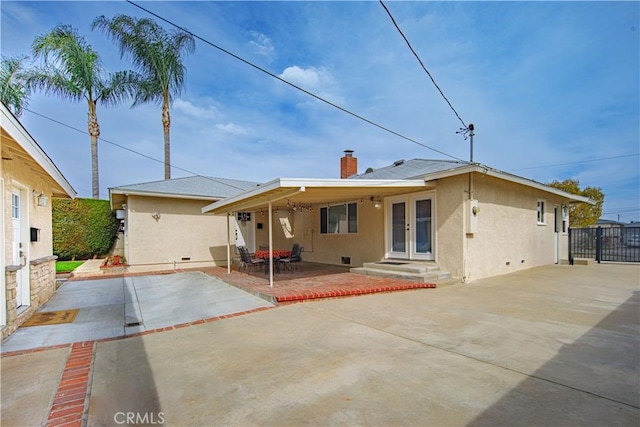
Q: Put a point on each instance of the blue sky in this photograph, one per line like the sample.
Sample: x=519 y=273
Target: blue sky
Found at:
x=545 y=83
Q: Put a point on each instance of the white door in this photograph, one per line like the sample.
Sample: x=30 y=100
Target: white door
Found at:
x=410 y=227
x=557 y=221
x=245 y=231
x=18 y=246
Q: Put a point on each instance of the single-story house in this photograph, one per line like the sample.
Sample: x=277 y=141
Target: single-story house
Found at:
x=163 y=225
x=470 y=219
x=28 y=181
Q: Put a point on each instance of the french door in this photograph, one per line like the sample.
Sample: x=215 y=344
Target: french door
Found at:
x=410 y=227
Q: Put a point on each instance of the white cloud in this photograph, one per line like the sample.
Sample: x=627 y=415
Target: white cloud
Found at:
x=198 y=112
x=318 y=80
x=262 y=44
x=232 y=128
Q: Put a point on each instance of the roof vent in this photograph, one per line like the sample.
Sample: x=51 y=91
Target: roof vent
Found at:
x=369 y=170
x=398 y=162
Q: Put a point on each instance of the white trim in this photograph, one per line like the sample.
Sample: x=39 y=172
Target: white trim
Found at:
x=3 y=284
x=14 y=128
x=286 y=187
x=543 y=212
x=123 y=192
x=485 y=170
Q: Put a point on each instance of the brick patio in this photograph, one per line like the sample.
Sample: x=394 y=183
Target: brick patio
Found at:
x=313 y=281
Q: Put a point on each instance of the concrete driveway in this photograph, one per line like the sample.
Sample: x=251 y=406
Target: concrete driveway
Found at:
x=122 y=306
x=550 y=346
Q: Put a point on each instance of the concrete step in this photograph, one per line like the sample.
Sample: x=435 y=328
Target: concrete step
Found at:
x=417 y=271
x=408 y=266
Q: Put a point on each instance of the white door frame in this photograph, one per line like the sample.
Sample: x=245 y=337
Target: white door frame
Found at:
x=410 y=250
x=246 y=233
x=20 y=250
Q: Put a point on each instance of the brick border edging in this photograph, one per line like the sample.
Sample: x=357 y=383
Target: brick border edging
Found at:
x=71 y=402
x=352 y=292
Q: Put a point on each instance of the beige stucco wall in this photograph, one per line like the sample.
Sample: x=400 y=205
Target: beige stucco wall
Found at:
x=17 y=174
x=509 y=237
x=450 y=249
x=182 y=231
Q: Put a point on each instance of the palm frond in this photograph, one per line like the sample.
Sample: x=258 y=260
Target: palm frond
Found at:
x=14 y=92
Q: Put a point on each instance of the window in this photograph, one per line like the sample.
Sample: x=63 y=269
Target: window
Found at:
x=339 y=219
x=15 y=206
x=541 y=212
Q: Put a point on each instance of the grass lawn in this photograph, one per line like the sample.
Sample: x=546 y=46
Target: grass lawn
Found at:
x=67 y=266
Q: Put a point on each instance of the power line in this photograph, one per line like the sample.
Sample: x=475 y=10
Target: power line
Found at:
x=422 y=65
x=275 y=76
x=577 y=162
x=133 y=151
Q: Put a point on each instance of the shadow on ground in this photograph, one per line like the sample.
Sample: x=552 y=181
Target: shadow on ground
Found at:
x=140 y=404
x=583 y=365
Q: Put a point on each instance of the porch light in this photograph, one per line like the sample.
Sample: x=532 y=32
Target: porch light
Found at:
x=41 y=199
x=155 y=215
x=376 y=202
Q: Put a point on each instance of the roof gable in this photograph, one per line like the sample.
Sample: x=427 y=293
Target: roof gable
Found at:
x=30 y=151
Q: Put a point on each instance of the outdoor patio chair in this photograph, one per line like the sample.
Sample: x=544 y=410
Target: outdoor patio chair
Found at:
x=295 y=258
x=247 y=260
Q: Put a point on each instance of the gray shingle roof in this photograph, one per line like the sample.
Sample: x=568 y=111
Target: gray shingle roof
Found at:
x=411 y=169
x=196 y=186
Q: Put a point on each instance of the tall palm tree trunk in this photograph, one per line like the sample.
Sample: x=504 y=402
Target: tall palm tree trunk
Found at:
x=166 y=125
x=94 y=132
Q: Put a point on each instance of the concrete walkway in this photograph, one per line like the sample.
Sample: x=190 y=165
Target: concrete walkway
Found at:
x=549 y=346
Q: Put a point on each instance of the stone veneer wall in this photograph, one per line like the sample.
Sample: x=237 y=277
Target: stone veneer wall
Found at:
x=43 y=285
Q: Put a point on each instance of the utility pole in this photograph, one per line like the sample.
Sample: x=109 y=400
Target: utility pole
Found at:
x=471 y=134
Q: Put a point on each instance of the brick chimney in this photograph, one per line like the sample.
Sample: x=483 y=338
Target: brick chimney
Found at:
x=348 y=165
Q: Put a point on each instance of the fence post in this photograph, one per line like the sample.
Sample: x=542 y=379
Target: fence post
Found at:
x=570 y=251
x=599 y=244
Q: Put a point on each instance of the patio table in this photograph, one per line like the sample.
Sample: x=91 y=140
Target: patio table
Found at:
x=277 y=254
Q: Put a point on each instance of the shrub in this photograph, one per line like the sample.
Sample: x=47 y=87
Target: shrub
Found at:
x=82 y=228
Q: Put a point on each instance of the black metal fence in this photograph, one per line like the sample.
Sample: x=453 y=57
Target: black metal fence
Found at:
x=620 y=244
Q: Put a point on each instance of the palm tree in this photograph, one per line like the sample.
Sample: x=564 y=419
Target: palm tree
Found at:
x=73 y=70
x=157 y=56
x=14 y=92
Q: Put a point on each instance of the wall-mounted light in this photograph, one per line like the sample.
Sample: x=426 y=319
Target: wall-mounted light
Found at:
x=41 y=199
x=376 y=202
x=155 y=215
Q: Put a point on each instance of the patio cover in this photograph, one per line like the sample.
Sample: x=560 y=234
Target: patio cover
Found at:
x=309 y=191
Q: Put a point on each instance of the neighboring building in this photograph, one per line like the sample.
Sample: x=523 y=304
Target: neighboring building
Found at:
x=28 y=181
x=471 y=220
x=163 y=225
x=607 y=223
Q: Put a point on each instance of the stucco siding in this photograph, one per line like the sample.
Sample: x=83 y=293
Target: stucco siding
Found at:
x=19 y=175
x=181 y=234
x=509 y=237
x=450 y=249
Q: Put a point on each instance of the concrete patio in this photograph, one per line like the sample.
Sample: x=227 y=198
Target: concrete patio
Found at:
x=557 y=345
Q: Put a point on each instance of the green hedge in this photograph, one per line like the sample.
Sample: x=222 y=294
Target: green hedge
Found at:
x=83 y=228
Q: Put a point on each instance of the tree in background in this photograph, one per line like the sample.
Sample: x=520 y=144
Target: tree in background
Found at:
x=73 y=70
x=582 y=214
x=157 y=56
x=14 y=92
